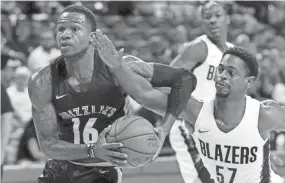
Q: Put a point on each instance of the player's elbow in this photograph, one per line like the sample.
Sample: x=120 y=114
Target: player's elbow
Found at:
x=141 y=97
x=46 y=148
x=184 y=77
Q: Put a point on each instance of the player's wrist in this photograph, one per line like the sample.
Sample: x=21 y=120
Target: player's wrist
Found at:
x=90 y=150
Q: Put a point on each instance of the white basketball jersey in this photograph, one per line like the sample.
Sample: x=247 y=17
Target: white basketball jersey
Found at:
x=237 y=156
x=206 y=71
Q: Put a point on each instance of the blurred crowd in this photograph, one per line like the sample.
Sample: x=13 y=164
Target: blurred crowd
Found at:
x=153 y=31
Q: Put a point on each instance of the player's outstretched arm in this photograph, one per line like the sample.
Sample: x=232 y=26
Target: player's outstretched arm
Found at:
x=271 y=117
x=191 y=55
x=46 y=126
x=181 y=81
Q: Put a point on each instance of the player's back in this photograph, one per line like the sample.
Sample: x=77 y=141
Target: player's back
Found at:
x=83 y=116
x=206 y=71
x=240 y=155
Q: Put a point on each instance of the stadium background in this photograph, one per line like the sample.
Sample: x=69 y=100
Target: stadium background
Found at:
x=153 y=31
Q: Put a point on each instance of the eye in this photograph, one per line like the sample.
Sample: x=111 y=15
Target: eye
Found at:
x=220 y=69
x=61 y=29
x=208 y=17
x=232 y=73
x=75 y=29
x=218 y=15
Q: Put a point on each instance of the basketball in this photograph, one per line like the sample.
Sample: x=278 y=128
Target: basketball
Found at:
x=138 y=137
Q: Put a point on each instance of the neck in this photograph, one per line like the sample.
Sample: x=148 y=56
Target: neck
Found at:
x=227 y=108
x=80 y=65
x=221 y=42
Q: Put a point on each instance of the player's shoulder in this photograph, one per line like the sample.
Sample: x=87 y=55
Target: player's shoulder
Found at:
x=196 y=48
x=196 y=44
x=271 y=110
x=39 y=86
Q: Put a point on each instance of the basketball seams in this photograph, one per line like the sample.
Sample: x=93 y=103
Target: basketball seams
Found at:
x=123 y=128
x=137 y=151
x=127 y=125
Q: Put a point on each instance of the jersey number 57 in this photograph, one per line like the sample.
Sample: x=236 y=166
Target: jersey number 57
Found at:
x=221 y=171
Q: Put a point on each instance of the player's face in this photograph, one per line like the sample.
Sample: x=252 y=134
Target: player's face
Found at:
x=215 y=20
x=231 y=77
x=73 y=33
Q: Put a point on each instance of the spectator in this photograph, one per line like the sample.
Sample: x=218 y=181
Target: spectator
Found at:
x=18 y=93
x=44 y=53
x=160 y=50
x=179 y=37
x=6 y=117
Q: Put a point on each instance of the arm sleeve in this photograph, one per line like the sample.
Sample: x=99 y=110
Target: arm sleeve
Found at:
x=182 y=83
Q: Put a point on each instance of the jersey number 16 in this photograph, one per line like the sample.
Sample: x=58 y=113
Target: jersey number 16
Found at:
x=90 y=134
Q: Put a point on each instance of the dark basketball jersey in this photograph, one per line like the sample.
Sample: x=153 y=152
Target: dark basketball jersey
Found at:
x=81 y=117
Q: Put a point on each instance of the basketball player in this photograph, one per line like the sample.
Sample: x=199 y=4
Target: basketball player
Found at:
x=202 y=56
x=78 y=96
x=231 y=128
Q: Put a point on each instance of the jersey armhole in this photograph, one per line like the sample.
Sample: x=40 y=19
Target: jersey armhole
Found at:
x=54 y=71
x=258 y=123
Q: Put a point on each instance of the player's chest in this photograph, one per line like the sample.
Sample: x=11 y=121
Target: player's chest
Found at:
x=101 y=100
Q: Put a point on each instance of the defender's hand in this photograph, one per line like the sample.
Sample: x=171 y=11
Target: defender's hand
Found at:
x=109 y=151
x=162 y=134
x=277 y=160
x=107 y=50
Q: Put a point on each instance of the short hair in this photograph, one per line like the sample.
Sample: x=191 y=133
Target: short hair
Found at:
x=247 y=57
x=83 y=10
x=217 y=2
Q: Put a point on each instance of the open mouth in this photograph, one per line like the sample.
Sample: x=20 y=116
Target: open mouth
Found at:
x=65 y=45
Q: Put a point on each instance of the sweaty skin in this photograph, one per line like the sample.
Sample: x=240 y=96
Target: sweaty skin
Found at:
x=65 y=17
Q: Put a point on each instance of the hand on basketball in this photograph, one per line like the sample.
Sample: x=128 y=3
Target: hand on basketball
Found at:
x=109 y=151
x=107 y=50
x=162 y=134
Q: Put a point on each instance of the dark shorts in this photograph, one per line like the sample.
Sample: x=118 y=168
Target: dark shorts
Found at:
x=58 y=171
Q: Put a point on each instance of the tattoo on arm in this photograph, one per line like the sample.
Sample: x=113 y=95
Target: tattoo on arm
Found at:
x=46 y=121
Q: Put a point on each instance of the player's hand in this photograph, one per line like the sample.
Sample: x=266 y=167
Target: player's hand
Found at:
x=107 y=50
x=109 y=151
x=277 y=160
x=162 y=134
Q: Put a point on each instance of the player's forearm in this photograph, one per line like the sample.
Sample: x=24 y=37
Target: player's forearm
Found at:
x=182 y=83
x=133 y=84
x=61 y=150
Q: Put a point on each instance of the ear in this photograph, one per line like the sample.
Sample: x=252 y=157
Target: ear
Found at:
x=249 y=81
x=91 y=36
